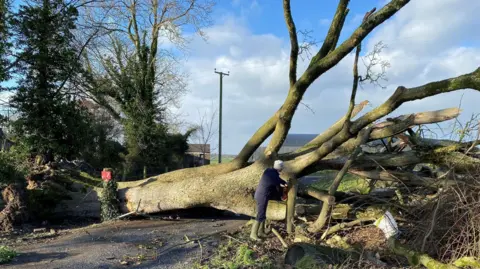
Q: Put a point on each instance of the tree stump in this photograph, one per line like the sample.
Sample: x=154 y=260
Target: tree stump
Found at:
x=15 y=212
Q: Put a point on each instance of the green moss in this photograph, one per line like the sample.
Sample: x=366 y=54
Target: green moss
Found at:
x=468 y=261
x=307 y=262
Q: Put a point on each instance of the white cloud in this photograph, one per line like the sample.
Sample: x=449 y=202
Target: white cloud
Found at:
x=325 y=22
x=5 y=96
x=425 y=43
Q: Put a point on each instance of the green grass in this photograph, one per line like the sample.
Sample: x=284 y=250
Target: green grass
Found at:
x=7 y=254
x=225 y=158
x=350 y=183
x=231 y=255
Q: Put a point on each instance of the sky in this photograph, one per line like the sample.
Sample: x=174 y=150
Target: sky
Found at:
x=427 y=40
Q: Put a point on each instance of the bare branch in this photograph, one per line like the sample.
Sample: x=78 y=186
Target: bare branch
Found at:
x=371 y=61
x=403 y=95
x=320 y=65
x=306 y=45
x=354 y=86
x=355 y=77
x=334 y=30
x=256 y=140
x=293 y=42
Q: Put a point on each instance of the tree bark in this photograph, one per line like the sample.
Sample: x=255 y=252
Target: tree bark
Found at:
x=292 y=197
x=15 y=212
x=232 y=191
x=322 y=218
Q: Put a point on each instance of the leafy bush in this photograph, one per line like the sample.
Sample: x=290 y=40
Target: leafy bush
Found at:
x=10 y=171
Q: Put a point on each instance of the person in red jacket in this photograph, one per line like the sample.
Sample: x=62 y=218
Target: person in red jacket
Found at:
x=270 y=188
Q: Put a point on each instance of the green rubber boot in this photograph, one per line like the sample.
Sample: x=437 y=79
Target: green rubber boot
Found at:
x=254 y=233
x=261 y=230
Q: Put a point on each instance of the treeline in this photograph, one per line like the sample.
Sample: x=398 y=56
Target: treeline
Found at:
x=92 y=80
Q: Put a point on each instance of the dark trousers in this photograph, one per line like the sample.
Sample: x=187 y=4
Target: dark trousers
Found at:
x=262 y=204
x=262 y=209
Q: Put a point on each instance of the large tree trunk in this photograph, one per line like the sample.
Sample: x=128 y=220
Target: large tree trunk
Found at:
x=231 y=191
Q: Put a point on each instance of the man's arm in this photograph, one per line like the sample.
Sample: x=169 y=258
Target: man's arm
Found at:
x=281 y=182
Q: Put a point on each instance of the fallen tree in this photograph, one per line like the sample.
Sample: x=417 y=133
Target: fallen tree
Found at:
x=230 y=186
x=347 y=146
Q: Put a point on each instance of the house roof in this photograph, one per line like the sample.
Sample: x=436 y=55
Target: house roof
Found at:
x=199 y=148
x=298 y=140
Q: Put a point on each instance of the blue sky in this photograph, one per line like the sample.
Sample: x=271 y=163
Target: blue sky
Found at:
x=427 y=40
x=266 y=16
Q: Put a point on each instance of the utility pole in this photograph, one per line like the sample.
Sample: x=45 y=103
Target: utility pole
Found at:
x=220 y=116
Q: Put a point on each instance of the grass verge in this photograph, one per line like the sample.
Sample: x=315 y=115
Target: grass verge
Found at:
x=7 y=254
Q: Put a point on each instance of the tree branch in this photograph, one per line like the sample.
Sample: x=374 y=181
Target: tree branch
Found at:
x=400 y=124
x=334 y=31
x=354 y=86
x=318 y=67
x=293 y=42
x=401 y=95
x=322 y=219
x=406 y=178
x=344 y=225
x=325 y=136
x=255 y=141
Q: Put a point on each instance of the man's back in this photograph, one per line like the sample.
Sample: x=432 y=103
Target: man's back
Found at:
x=268 y=187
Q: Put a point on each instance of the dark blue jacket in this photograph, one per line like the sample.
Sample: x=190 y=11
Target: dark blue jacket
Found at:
x=269 y=186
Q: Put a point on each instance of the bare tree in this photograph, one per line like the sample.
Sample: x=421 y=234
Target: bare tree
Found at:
x=140 y=40
x=206 y=131
x=133 y=69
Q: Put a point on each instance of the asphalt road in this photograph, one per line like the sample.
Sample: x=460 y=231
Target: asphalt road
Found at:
x=143 y=243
